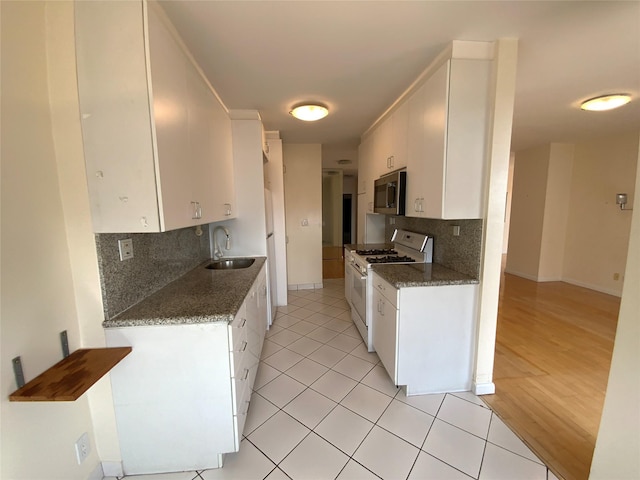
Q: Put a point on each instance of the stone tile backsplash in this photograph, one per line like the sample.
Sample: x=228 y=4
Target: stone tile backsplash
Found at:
x=158 y=259
x=461 y=253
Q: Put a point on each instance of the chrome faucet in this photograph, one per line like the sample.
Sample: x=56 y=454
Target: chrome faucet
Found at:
x=217 y=251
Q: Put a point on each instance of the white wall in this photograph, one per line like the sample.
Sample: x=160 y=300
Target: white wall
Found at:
x=527 y=211
x=303 y=202
x=37 y=276
x=565 y=225
x=507 y=214
x=67 y=137
x=617 y=451
x=597 y=231
x=556 y=211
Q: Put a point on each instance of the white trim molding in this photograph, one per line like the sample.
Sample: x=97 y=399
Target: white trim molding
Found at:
x=112 y=469
x=484 y=388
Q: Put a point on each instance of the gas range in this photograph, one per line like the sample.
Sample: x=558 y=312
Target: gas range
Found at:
x=408 y=247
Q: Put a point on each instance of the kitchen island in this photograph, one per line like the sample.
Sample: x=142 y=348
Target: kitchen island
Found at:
x=182 y=396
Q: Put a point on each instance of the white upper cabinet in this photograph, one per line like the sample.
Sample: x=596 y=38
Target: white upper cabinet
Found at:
x=365 y=152
x=399 y=138
x=157 y=141
x=446 y=145
x=265 y=146
x=389 y=151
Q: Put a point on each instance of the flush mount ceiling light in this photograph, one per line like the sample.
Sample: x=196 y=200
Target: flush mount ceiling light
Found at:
x=606 y=102
x=309 y=112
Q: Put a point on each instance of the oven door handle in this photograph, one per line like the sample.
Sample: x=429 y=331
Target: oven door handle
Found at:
x=358 y=272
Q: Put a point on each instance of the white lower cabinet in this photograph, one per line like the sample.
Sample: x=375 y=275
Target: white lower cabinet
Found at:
x=182 y=397
x=424 y=336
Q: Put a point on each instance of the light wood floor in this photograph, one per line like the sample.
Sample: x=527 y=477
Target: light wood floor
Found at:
x=332 y=262
x=553 y=353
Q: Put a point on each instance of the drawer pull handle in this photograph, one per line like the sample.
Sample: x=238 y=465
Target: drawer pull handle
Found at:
x=248 y=402
x=244 y=346
x=242 y=324
x=246 y=374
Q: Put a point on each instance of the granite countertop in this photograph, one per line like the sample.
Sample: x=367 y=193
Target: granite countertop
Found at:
x=199 y=296
x=421 y=275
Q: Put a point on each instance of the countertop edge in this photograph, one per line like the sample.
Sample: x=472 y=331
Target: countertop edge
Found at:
x=407 y=275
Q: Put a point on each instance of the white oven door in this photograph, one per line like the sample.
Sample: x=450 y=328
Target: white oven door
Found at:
x=358 y=292
x=349 y=272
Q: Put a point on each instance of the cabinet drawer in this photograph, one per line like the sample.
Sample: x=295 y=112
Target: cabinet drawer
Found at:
x=239 y=420
x=238 y=332
x=387 y=290
x=241 y=391
x=238 y=362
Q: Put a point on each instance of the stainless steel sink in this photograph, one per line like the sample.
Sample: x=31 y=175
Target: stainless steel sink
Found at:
x=231 y=264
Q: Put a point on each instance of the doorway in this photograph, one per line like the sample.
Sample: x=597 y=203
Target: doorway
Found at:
x=332 y=224
x=347 y=208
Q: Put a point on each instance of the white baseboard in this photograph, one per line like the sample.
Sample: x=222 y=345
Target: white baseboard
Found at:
x=304 y=286
x=597 y=288
x=520 y=274
x=97 y=473
x=112 y=469
x=590 y=286
x=484 y=388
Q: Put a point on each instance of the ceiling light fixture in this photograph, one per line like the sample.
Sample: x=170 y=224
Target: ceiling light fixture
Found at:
x=344 y=161
x=309 y=112
x=606 y=102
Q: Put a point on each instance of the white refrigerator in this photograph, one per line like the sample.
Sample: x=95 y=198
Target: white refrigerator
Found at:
x=271 y=255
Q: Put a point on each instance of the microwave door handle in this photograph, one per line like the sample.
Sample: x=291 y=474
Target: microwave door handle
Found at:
x=389 y=186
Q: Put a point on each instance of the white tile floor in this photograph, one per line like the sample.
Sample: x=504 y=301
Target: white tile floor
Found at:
x=325 y=408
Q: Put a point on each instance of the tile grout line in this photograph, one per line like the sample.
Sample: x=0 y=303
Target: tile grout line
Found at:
x=420 y=449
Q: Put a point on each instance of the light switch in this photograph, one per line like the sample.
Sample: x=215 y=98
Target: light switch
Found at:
x=456 y=230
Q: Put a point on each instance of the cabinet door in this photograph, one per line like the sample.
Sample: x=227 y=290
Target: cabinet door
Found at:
x=466 y=138
x=385 y=333
x=116 y=116
x=364 y=165
x=223 y=187
x=400 y=123
x=361 y=219
x=416 y=164
x=382 y=147
x=173 y=124
x=434 y=128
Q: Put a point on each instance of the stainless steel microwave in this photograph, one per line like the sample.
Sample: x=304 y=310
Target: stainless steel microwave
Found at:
x=389 y=193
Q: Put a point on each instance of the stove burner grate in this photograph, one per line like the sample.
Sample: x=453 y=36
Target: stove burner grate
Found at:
x=390 y=259
x=377 y=251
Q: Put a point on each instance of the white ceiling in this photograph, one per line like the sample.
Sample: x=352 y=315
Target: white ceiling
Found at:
x=357 y=57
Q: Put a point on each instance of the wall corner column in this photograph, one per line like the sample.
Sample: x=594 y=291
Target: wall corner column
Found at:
x=496 y=179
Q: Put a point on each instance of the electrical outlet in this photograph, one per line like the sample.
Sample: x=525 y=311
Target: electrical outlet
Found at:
x=456 y=230
x=126 y=249
x=83 y=448
x=304 y=222
x=616 y=276
x=392 y=221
